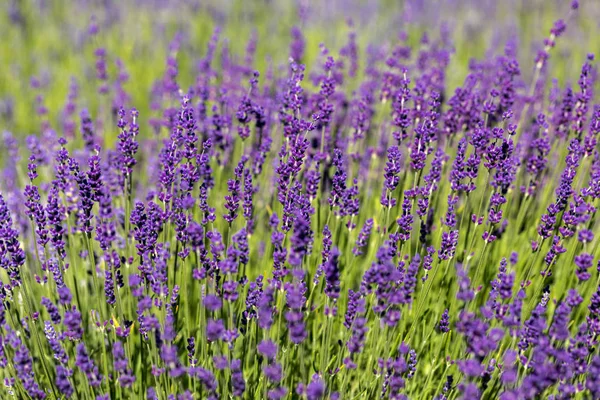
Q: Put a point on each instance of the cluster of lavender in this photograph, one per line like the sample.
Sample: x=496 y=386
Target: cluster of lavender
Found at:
x=361 y=231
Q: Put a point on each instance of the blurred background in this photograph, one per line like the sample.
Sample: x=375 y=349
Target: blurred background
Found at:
x=49 y=47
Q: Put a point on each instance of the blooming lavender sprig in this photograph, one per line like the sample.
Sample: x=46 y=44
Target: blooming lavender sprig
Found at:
x=232 y=201
x=363 y=237
x=392 y=169
x=87 y=366
x=23 y=364
x=126 y=377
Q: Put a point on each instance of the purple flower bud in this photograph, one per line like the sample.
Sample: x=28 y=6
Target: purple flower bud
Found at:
x=444 y=324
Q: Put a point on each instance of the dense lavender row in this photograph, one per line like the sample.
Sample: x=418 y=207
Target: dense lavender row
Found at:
x=360 y=231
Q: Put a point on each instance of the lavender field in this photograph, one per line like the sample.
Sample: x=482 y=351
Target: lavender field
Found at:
x=299 y=199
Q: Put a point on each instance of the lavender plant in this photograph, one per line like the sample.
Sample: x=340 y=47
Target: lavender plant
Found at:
x=362 y=230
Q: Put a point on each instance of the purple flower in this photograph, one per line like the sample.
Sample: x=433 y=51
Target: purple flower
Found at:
x=87 y=130
x=325 y=253
x=205 y=377
x=87 y=366
x=23 y=365
x=480 y=341
x=52 y=310
x=128 y=146
x=72 y=322
x=338 y=190
x=55 y=215
x=237 y=378
x=109 y=289
x=357 y=323
x=533 y=328
x=297 y=45
x=220 y=363
x=332 y=275
x=255 y=291
x=301 y=239
x=448 y=246
x=230 y=291
x=232 y=200
x=295 y=318
x=277 y=393
x=214 y=330
x=315 y=390
x=559 y=329
x=469 y=391
x=444 y=324
x=57 y=349
x=457 y=174
x=585 y=236
x=354 y=303
x=273 y=372
x=62 y=381
x=405 y=222
x=64 y=295
x=363 y=238
x=168 y=355
x=392 y=169
x=191 y=348
x=126 y=377
x=247 y=204
x=268 y=349
x=266 y=307
x=592 y=383
x=583 y=262
x=12 y=256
